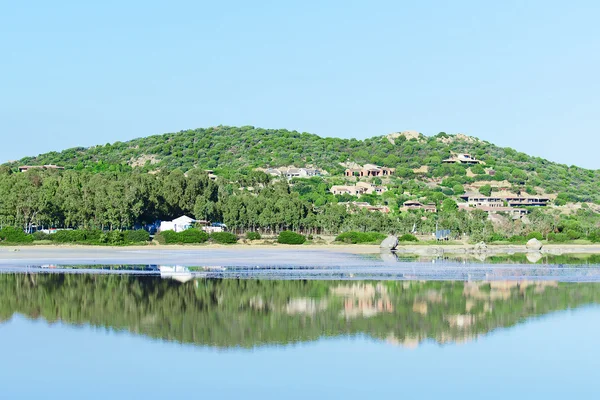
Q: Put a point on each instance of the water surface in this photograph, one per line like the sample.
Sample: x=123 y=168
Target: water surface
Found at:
x=139 y=336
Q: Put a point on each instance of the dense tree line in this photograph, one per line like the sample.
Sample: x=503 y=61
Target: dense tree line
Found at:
x=109 y=201
x=125 y=200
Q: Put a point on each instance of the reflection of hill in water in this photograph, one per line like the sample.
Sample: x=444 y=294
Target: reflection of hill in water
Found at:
x=249 y=313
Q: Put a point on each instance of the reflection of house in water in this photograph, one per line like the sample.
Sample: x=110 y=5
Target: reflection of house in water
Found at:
x=305 y=306
x=364 y=300
x=178 y=273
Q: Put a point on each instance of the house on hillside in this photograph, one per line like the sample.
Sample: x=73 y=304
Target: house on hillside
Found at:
x=369 y=170
x=301 y=173
x=359 y=189
x=25 y=168
x=515 y=213
x=478 y=200
x=527 y=201
x=462 y=159
x=415 y=205
x=345 y=189
x=367 y=206
x=372 y=189
x=292 y=172
x=272 y=172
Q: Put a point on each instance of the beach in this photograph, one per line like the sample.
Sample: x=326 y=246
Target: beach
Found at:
x=242 y=254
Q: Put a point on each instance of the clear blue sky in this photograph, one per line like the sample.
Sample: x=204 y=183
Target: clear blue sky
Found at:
x=520 y=73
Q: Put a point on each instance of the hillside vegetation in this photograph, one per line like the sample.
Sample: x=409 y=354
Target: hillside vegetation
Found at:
x=127 y=185
x=232 y=150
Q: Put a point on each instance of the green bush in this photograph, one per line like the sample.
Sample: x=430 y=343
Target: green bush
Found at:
x=458 y=189
x=223 y=237
x=193 y=236
x=407 y=237
x=189 y=236
x=517 y=239
x=496 y=237
x=594 y=236
x=76 y=236
x=14 y=235
x=535 y=235
x=136 y=236
x=166 y=237
x=360 y=237
x=289 y=237
x=558 y=237
x=67 y=236
x=486 y=190
x=114 y=238
x=253 y=236
x=573 y=234
x=39 y=235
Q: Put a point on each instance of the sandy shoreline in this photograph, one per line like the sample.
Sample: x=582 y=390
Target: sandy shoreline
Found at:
x=242 y=254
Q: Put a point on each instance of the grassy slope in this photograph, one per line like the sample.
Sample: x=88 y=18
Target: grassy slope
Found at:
x=249 y=147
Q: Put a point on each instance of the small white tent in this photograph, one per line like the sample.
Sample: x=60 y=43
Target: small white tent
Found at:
x=178 y=225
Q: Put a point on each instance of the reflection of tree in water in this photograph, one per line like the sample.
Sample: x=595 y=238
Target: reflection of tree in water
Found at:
x=249 y=313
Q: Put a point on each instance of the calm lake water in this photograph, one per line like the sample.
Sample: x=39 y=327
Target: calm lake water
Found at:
x=107 y=336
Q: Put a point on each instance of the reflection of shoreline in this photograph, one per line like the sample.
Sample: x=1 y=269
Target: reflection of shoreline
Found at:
x=516 y=258
x=249 y=313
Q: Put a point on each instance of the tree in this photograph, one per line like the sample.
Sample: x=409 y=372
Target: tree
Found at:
x=458 y=189
x=486 y=190
x=449 y=206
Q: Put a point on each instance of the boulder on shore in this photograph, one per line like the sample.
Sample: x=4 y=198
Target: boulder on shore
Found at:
x=534 y=244
x=481 y=247
x=389 y=243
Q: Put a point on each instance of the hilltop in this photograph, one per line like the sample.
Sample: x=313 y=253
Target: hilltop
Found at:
x=231 y=150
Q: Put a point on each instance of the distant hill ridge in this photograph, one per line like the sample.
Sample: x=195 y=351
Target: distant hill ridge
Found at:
x=243 y=148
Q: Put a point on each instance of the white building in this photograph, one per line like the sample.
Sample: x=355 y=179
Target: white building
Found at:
x=178 y=225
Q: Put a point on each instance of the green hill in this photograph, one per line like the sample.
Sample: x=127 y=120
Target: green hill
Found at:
x=233 y=149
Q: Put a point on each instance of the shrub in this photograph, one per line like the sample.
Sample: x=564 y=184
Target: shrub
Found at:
x=360 y=237
x=486 y=190
x=535 y=235
x=76 y=236
x=68 y=236
x=165 y=237
x=39 y=235
x=253 y=236
x=517 y=239
x=289 y=237
x=14 y=235
x=407 y=237
x=136 y=236
x=113 y=237
x=223 y=237
x=573 y=234
x=594 y=236
x=192 y=236
x=458 y=189
x=496 y=237
x=188 y=236
x=558 y=237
